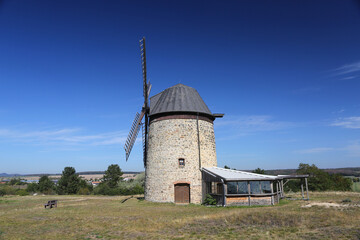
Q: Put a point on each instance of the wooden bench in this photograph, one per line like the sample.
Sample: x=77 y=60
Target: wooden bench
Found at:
x=51 y=204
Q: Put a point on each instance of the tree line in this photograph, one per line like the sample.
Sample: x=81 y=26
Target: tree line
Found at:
x=112 y=183
x=71 y=183
x=318 y=180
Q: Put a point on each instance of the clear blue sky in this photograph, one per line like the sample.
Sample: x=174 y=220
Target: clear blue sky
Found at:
x=285 y=73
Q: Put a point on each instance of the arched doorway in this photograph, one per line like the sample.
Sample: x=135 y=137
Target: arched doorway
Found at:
x=182 y=193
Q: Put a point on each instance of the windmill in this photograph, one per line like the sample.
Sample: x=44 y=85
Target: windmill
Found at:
x=137 y=124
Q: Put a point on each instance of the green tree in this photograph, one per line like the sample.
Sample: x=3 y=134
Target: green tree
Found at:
x=319 y=180
x=226 y=167
x=45 y=185
x=32 y=187
x=259 y=171
x=16 y=181
x=112 y=175
x=341 y=183
x=69 y=182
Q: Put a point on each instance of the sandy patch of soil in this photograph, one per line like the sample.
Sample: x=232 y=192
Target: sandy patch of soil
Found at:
x=328 y=205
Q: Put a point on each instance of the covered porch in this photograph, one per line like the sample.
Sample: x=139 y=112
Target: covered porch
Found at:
x=239 y=188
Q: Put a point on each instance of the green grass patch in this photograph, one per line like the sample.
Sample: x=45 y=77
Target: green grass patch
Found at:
x=6 y=201
x=356 y=187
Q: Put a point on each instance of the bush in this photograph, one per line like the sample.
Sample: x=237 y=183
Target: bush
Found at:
x=99 y=189
x=85 y=187
x=84 y=191
x=138 y=189
x=32 y=187
x=22 y=192
x=134 y=187
x=209 y=200
x=8 y=190
x=104 y=189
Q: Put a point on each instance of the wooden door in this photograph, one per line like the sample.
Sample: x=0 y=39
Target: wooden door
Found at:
x=182 y=193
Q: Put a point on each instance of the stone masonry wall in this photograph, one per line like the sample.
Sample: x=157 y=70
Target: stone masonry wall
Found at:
x=170 y=140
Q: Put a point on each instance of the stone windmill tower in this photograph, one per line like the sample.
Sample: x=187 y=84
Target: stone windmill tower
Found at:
x=178 y=141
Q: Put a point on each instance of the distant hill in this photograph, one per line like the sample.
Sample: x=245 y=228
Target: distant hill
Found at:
x=281 y=172
x=345 y=171
x=103 y=172
x=8 y=175
x=351 y=171
x=53 y=174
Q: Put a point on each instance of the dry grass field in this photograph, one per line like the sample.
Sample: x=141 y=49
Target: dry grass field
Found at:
x=325 y=216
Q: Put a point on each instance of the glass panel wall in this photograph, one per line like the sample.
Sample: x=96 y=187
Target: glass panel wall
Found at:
x=256 y=187
x=232 y=187
x=237 y=187
x=242 y=187
x=260 y=187
x=265 y=187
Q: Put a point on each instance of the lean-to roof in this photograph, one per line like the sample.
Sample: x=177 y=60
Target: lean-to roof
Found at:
x=235 y=175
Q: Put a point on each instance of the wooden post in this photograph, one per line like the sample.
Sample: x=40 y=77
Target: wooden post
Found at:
x=282 y=188
x=307 y=189
x=272 y=193
x=302 y=191
x=277 y=190
x=249 y=193
x=224 y=193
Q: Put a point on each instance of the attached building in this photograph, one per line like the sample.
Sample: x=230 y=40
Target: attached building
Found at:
x=233 y=187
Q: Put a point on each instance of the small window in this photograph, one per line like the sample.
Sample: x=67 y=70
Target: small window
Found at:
x=181 y=162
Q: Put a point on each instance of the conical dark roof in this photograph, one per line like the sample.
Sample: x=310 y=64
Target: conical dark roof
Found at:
x=178 y=98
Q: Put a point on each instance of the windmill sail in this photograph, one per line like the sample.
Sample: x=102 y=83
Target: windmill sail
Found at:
x=134 y=131
x=146 y=92
x=143 y=67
